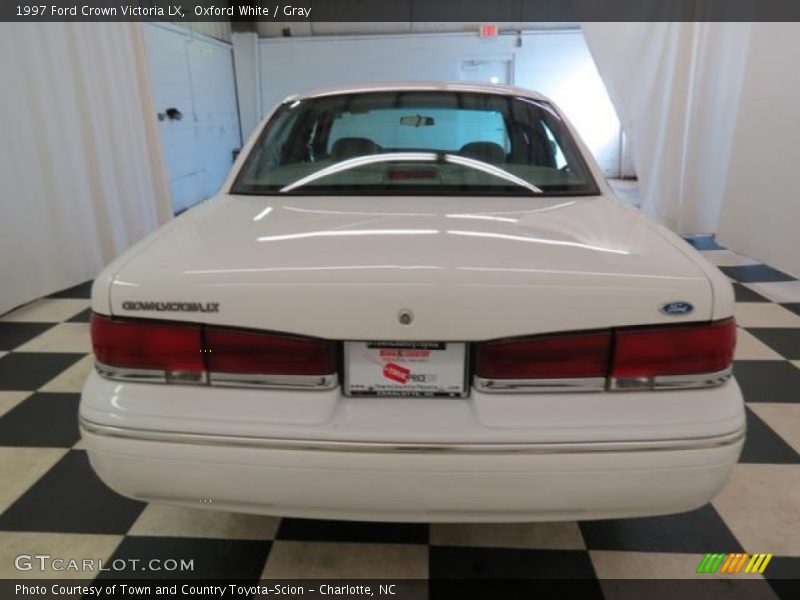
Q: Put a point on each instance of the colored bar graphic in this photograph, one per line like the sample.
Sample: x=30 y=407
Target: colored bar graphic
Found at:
x=711 y=563
x=734 y=563
x=704 y=564
x=727 y=566
x=741 y=562
x=758 y=563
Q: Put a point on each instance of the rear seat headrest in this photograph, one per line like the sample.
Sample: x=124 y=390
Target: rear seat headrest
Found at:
x=350 y=147
x=484 y=151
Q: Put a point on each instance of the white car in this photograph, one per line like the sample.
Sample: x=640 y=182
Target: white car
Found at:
x=415 y=302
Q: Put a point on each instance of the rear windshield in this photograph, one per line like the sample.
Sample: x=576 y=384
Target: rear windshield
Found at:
x=415 y=143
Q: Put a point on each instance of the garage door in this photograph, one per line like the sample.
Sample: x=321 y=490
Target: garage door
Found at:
x=195 y=96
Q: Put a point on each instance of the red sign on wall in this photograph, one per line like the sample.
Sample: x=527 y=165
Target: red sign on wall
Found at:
x=488 y=31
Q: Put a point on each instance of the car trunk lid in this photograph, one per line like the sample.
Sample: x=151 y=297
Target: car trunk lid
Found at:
x=465 y=268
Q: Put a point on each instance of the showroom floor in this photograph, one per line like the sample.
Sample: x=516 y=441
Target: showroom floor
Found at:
x=51 y=501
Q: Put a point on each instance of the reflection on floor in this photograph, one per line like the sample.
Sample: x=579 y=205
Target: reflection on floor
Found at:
x=50 y=500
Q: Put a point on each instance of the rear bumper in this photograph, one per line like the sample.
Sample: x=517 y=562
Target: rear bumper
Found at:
x=420 y=482
x=487 y=457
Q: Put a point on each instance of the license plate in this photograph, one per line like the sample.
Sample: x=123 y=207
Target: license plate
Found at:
x=405 y=368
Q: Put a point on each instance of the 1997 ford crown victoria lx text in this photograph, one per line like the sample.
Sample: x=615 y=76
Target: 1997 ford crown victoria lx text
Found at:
x=415 y=302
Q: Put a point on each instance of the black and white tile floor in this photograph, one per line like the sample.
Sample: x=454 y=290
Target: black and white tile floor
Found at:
x=50 y=500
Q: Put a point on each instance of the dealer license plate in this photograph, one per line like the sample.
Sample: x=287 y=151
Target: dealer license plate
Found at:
x=405 y=368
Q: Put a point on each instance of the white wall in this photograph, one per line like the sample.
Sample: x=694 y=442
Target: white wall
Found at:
x=220 y=30
x=193 y=73
x=761 y=213
x=248 y=91
x=311 y=27
x=557 y=64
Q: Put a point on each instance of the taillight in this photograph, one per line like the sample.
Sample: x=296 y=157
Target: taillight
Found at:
x=674 y=350
x=625 y=358
x=232 y=351
x=147 y=350
x=147 y=344
x=545 y=357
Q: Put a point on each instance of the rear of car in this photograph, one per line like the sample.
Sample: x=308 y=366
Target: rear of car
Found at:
x=415 y=302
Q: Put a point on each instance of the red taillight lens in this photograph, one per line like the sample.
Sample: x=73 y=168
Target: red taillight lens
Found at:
x=147 y=344
x=545 y=357
x=638 y=352
x=185 y=347
x=232 y=351
x=675 y=350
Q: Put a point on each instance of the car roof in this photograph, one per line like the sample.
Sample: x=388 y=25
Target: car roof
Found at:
x=418 y=86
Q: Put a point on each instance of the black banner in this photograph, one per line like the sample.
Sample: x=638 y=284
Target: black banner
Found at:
x=491 y=11
x=405 y=589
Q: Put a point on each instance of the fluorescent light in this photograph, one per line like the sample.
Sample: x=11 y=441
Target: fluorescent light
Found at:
x=346 y=233
x=535 y=240
x=263 y=213
x=483 y=218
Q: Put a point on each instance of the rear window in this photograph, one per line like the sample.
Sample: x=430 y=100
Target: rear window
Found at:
x=416 y=143
x=451 y=128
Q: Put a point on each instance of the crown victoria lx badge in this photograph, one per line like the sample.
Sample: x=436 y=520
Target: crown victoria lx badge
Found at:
x=172 y=306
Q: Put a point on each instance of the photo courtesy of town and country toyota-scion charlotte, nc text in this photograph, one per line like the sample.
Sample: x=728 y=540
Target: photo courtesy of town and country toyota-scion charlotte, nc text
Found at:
x=201 y=590
x=176 y=11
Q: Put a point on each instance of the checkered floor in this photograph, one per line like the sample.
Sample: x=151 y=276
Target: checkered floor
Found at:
x=51 y=501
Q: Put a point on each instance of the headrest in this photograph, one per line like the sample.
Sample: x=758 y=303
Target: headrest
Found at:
x=484 y=151
x=350 y=147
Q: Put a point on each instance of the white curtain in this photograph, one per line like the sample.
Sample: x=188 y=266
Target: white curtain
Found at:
x=81 y=172
x=676 y=88
x=761 y=214
x=711 y=110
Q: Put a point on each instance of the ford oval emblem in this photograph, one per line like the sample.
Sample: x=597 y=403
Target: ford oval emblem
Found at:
x=676 y=309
